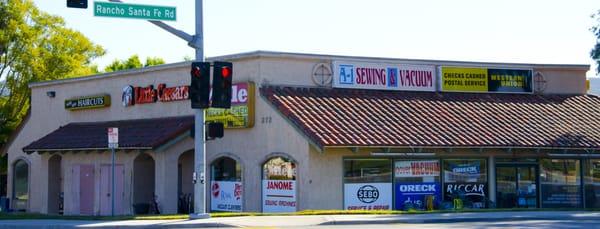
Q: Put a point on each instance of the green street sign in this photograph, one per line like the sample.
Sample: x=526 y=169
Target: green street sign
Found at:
x=135 y=11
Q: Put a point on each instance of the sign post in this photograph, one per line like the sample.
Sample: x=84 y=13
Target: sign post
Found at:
x=113 y=143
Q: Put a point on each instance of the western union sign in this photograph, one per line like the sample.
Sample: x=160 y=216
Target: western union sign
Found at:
x=460 y=79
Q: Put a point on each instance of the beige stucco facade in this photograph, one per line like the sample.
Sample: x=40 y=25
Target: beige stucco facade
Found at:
x=319 y=171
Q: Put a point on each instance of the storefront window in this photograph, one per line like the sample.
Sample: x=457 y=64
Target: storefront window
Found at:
x=465 y=183
x=417 y=184
x=21 y=185
x=279 y=185
x=226 y=169
x=560 y=183
x=592 y=183
x=367 y=184
x=226 y=185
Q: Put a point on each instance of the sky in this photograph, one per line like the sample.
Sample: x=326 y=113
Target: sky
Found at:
x=515 y=31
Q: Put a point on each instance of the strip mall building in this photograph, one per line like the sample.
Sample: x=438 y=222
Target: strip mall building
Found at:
x=315 y=132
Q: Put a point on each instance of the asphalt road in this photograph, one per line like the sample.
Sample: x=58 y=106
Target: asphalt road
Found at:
x=479 y=225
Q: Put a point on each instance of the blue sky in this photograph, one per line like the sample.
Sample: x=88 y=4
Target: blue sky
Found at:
x=521 y=31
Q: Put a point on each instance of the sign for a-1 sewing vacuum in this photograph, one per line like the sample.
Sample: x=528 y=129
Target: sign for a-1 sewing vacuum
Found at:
x=382 y=76
x=113 y=137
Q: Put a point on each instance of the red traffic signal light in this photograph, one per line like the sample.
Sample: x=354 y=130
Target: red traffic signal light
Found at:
x=222 y=81
x=225 y=72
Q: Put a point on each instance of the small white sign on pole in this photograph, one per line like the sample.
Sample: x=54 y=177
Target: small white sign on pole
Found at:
x=113 y=137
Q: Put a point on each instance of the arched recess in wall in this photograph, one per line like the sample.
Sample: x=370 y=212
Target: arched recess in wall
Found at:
x=226 y=193
x=143 y=184
x=185 y=184
x=20 y=192
x=279 y=186
x=55 y=185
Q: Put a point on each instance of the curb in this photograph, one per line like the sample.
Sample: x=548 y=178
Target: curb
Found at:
x=453 y=220
x=153 y=226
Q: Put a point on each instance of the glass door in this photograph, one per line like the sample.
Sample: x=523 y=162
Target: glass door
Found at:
x=516 y=186
x=526 y=186
x=506 y=187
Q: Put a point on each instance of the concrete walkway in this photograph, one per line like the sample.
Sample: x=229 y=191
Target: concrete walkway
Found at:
x=305 y=221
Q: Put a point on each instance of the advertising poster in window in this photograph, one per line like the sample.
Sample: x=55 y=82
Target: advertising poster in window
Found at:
x=416 y=181
x=463 y=172
x=226 y=196
x=561 y=196
x=279 y=195
x=472 y=192
x=429 y=168
x=462 y=79
x=368 y=196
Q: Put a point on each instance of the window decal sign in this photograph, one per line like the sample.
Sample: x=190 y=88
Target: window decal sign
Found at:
x=381 y=76
x=416 y=168
x=368 y=196
x=279 y=195
x=226 y=196
x=414 y=195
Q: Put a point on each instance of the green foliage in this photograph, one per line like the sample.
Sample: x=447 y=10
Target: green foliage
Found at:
x=133 y=62
x=595 y=53
x=35 y=46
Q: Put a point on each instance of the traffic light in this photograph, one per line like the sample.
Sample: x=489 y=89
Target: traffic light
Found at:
x=222 y=74
x=77 y=4
x=200 y=87
x=215 y=130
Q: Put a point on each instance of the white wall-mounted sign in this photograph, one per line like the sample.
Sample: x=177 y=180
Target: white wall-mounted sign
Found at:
x=382 y=76
x=113 y=137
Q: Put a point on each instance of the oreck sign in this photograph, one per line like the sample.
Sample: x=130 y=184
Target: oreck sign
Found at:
x=461 y=79
x=377 y=76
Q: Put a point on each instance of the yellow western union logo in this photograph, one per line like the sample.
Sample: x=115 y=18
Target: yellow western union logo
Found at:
x=464 y=79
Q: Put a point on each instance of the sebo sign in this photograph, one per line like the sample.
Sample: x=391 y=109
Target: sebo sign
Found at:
x=367 y=194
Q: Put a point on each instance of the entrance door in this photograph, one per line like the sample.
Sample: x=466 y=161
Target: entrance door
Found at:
x=106 y=189
x=516 y=186
x=86 y=189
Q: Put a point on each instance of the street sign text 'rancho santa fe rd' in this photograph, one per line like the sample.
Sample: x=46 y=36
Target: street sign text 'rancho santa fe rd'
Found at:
x=135 y=11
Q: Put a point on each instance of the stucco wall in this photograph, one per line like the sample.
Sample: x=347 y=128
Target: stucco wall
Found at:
x=272 y=134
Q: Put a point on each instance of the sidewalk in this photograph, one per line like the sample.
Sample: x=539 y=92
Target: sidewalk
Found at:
x=299 y=221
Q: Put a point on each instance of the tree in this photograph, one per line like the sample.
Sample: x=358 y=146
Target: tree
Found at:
x=595 y=53
x=35 y=46
x=133 y=62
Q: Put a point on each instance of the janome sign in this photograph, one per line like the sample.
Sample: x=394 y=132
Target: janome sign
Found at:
x=279 y=195
x=226 y=196
x=381 y=76
x=368 y=196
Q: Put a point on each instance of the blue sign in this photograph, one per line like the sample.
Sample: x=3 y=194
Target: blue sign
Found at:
x=414 y=195
x=392 y=77
x=346 y=74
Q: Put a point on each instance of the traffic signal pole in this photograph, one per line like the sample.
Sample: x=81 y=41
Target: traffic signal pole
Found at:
x=197 y=42
x=199 y=140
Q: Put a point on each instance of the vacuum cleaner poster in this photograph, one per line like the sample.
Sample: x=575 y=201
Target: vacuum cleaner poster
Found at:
x=226 y=196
